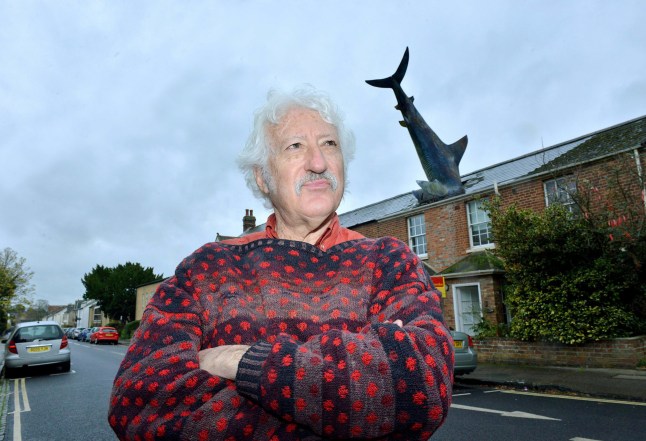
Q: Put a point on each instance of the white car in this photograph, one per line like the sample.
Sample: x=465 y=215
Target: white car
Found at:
x=466 y=359
x=35 y=344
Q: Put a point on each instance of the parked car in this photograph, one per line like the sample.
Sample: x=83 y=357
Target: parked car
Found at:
x=466 y=358
x=85 y=334
x=76 y=332
x=105 y=334
x=35 y=344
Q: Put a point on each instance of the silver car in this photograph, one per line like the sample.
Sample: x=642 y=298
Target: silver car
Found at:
x=466 y=358
x=36 y=344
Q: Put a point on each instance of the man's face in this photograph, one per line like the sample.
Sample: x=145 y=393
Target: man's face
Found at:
x=306 y=167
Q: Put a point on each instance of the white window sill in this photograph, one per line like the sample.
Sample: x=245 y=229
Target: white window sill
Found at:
x=489 y=246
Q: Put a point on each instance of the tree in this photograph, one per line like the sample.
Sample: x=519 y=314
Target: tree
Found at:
x=115 y=289
x=38 y=311
x=15 y=280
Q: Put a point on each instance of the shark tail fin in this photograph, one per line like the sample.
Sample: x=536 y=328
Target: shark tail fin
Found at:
x=397 y=77
x=458 y=148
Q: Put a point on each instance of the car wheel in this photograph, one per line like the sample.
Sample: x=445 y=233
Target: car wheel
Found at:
x=65 y=367
x=9 y=372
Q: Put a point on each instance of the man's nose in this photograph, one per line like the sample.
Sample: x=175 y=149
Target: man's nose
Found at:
x=316 y=160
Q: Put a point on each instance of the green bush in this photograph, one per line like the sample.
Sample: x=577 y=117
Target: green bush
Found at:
x=116 y=325
x=129 y=329
x=487 y=329
x=565 y=283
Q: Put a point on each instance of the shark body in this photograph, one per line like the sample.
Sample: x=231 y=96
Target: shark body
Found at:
x=439 y=161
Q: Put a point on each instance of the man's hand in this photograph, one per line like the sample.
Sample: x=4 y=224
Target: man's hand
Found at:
x=222 y=360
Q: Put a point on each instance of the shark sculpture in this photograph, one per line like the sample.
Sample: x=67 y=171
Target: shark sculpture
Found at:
x=439 y=161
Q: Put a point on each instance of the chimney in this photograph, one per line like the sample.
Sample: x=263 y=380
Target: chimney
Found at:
x=248 y=221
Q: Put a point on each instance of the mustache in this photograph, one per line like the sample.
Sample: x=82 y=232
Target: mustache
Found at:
x=311 y=176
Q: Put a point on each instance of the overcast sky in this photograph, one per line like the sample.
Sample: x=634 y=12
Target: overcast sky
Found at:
x=120 y=121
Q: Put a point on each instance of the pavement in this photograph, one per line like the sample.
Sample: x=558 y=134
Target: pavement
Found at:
x=616 y=384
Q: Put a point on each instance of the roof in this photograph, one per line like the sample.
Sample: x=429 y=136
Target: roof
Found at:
x=602 y=143
x=480 y=262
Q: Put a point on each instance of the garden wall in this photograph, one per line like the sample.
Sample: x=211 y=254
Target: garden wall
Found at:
x=618 y=353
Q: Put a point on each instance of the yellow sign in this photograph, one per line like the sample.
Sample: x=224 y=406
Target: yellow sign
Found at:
x=438 y=281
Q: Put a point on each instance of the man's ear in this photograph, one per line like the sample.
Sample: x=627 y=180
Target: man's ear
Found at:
x=260 y=180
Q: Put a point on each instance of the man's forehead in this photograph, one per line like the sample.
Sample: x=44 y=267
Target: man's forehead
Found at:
x=295 y=119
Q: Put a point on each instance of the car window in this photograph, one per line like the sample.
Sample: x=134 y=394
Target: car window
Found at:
x=39 y=332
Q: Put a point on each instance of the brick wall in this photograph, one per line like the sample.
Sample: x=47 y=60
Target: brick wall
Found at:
x=617 y=353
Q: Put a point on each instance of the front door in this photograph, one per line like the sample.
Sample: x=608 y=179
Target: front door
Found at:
x=468 y=311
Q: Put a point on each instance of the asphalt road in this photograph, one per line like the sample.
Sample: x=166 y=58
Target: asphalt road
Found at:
x=73 y=406
x=70 y=406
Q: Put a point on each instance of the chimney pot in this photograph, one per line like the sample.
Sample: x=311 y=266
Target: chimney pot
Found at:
x=248 y=221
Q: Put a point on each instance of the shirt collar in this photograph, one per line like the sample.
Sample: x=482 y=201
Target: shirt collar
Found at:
x=332 y=235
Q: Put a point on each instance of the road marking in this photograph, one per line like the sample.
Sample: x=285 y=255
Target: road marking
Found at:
x=582 y=439
x=461 y=395
x=515 y=413
x=19 y=389
x=569 y=397
x=25 y=400
x=630 y=377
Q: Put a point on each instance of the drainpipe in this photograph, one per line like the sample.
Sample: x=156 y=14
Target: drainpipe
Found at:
x=641 y=178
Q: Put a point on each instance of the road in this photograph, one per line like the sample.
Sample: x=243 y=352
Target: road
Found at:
x=73 y=406
x=509 y=415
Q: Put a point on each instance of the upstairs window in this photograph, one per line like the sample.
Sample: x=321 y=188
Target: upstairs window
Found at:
x=417 y=235
x=560 y=191
x=479 y=225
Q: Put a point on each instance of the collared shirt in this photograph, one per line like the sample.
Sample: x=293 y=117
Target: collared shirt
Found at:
x=333 y=235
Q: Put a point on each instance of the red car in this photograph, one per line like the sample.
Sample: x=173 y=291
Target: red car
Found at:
x=105 y=334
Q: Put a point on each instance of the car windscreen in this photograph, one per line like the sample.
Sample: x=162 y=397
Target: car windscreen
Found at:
x=38 y=333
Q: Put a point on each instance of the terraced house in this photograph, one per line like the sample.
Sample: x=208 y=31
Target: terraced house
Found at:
x=453 y=235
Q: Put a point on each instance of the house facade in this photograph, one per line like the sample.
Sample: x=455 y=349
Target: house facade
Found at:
x=144 y=294
x=453 y=236
x=81 y=314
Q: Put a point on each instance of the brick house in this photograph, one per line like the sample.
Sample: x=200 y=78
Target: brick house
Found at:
x=453 y=236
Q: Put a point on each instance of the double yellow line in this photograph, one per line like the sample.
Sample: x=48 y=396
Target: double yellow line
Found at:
x=19 y=390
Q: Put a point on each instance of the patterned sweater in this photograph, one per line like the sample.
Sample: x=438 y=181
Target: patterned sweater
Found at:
x=325 y=361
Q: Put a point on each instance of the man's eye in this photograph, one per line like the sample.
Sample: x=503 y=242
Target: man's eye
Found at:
x=330 y=142
x=294 y=146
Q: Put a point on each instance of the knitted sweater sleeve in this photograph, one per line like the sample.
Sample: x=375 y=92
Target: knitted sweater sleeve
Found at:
x=159 y=391
x=381 y=381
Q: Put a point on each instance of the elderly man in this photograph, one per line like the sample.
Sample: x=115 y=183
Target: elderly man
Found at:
x=304 y=331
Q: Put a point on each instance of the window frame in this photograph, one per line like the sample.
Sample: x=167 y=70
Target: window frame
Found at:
x=419 y=234
x=562 y=193
x=477 y=203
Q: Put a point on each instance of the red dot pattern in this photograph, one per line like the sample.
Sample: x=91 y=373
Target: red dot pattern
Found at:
x=325 y=361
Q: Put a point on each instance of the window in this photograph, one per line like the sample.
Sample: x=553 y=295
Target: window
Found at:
x=417 y=235
x=560 y=191
x=479 y=225
x=96 y=319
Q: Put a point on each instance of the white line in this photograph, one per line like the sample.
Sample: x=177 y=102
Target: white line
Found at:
x=461 y=395
x=515 y=413
x=582 y=439
x=568 y=397
x=491 y=391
